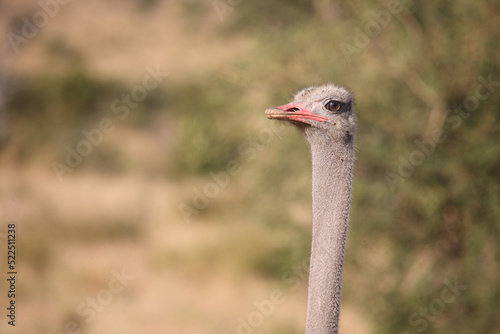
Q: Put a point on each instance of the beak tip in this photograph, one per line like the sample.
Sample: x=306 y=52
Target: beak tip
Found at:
x=270 y=112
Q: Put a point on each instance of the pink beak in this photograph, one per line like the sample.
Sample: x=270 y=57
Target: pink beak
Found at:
x=293 y=112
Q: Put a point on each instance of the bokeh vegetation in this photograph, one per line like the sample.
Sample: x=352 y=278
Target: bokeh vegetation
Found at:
x=407 y=238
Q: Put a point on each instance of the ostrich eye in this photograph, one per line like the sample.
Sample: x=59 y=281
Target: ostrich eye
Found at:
x=333 y=105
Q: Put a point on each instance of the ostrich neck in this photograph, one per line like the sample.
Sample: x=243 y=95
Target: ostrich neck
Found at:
x=332 y=166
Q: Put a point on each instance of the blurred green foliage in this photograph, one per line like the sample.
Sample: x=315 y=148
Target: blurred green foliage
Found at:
x=441 y=223
x=205 y=143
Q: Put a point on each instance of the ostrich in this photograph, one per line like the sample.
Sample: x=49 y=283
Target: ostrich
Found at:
x=325 y=117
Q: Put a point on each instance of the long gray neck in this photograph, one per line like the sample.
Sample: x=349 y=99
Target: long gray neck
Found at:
x=332 y=165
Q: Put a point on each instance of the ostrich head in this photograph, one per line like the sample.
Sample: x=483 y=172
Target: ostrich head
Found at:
x=321 y=113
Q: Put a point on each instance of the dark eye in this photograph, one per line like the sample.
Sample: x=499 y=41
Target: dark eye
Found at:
x=333 y=105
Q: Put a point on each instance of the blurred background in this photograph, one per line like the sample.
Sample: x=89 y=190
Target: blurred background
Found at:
x=151 y=194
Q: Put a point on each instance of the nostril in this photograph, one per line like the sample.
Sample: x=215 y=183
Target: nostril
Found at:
x=292 y=109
